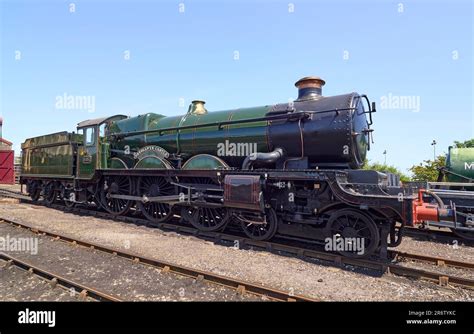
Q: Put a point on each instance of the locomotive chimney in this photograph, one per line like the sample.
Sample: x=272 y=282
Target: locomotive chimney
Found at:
x=309 y=88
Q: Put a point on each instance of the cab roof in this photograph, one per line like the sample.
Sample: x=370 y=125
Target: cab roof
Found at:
x=98 y=121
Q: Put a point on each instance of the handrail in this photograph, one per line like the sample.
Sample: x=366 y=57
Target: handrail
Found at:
x=289 y=116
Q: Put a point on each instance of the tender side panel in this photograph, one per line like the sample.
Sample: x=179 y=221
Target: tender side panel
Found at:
x=49 y=155
x=52 y=160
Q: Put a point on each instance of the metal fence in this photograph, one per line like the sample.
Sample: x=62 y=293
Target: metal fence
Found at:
x=17 y=171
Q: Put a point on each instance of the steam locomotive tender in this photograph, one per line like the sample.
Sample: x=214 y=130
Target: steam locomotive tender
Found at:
x=290 y=168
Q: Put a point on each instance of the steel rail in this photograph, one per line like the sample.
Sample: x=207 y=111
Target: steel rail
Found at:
x=436 y=235
x=432 y=259
x=55 y=279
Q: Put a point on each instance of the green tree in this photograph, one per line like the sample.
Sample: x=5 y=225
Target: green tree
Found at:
x=428 y=170
x=463 y=144
x=385 y=168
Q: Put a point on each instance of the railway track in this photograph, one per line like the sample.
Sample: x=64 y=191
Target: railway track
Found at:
x=305 y=251
x=83 y=291
x=432 y=259
x=432 y=234
x=238 y=285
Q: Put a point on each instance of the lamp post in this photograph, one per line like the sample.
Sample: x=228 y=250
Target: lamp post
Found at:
x=433 y=143
x=385 y=157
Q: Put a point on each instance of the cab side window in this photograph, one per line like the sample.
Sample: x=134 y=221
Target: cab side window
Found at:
x=89 y=136
x=102 y=132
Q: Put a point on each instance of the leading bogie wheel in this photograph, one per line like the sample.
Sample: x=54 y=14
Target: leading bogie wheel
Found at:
x=259 y=226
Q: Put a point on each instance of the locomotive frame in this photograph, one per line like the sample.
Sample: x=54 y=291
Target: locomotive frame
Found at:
x=370 y=200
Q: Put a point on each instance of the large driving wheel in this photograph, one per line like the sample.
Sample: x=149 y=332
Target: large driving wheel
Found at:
x=205 y=218
x=115 y=185
x=154 y=186
x=259 y=226
x=353 y=233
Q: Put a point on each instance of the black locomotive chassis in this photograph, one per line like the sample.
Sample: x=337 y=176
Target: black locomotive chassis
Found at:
x=400 y=207
x=326 y=192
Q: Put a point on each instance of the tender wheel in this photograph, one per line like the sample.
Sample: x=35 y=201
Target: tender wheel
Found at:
x=65 y=195
x=353 y=233
x=259 y=227
x=466 y=235
x=206 y=219
x=115 y=185
x=34 y=190
x=50 y=192
x=68 y=202
x=153 y=186
x=93 y=198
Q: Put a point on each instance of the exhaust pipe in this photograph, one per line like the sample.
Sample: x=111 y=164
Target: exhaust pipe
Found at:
x=309 y=88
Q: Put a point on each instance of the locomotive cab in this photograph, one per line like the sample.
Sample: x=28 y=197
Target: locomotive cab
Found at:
x=93 y=152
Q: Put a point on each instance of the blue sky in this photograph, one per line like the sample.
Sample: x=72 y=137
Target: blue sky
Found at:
x=135 y=57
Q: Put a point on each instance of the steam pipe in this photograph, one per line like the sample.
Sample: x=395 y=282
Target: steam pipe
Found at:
x=436 y=197
x=266 y=158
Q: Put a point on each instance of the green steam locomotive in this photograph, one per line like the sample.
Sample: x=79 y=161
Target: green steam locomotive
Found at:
x=290 y=168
